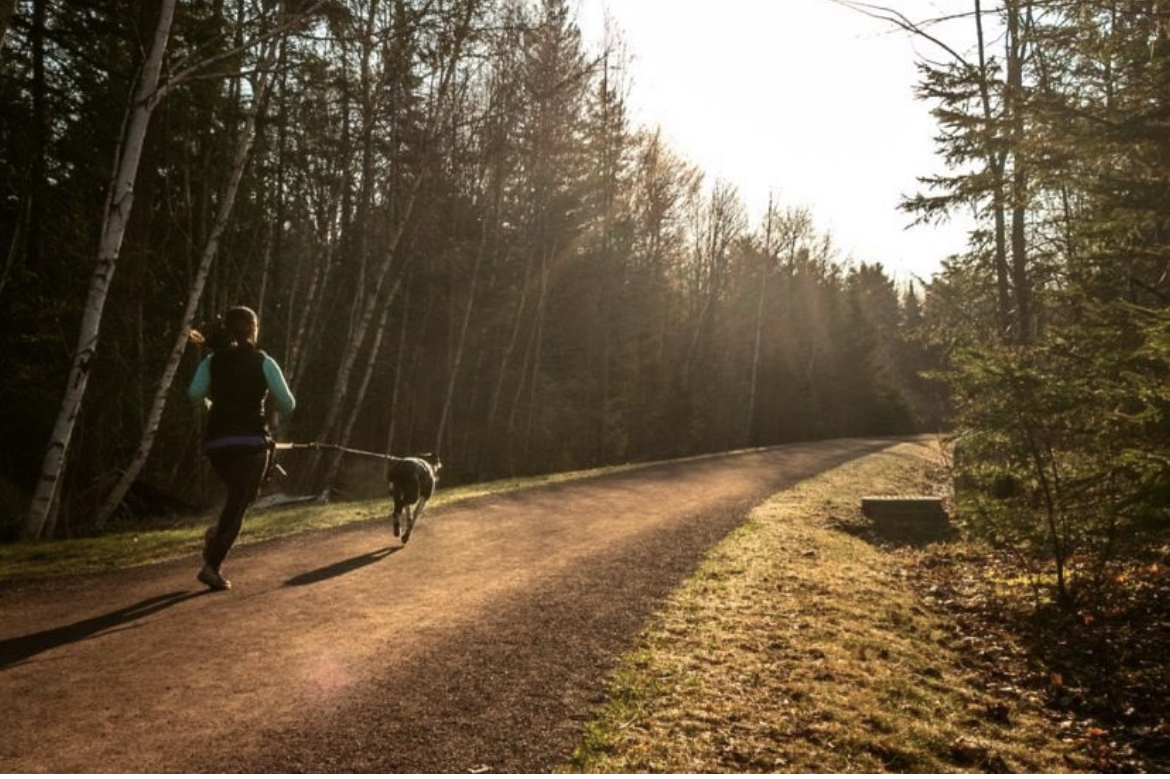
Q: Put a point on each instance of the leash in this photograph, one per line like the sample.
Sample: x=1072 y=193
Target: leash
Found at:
x=335 y=447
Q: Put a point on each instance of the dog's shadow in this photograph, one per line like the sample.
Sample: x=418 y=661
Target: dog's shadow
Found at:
x=340 y=568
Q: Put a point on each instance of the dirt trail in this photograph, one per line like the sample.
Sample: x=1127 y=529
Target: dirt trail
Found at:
x=480 y=646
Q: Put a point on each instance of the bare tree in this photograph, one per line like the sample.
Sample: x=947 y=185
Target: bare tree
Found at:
x=719 y=221
x=445 y=69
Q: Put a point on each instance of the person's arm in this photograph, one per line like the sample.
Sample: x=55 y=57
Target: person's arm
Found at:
x=278 y=386
x=201 y=382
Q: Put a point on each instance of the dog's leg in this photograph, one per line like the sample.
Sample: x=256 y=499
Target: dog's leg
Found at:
x=411 y=514
x=409 y=499
x=396 y=516
x=412 y=517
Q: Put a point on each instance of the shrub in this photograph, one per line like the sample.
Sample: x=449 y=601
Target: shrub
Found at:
x=1062 y=447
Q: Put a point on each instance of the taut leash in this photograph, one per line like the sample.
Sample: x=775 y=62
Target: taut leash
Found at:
x=334 y=447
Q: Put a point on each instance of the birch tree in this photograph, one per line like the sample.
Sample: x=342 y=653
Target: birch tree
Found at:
x=150 y=91
x=195 y=293
x=117 y=214
x=447 y=57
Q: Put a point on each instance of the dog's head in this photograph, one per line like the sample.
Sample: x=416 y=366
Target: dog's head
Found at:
x=432 y=459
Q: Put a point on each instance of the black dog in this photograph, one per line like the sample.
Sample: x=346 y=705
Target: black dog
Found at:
x=412 y=480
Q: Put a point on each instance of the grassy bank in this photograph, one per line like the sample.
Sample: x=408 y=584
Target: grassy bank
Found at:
x=800 y=647
x=173 y=538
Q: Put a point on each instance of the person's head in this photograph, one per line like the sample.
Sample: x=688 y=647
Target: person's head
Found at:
x=242 y=325
x=239 y=325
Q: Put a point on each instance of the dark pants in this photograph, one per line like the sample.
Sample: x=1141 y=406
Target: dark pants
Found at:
x=242 y=471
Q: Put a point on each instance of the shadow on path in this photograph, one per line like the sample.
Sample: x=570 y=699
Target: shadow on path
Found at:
x=340 y=568
x=15 y=650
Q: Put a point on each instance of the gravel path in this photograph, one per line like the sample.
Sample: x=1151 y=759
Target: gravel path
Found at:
x=481 y=646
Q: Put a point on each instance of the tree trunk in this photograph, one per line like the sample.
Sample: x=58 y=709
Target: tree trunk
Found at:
x=265 y=269
x=400 y=360
x=749 y=435
x=995 y=161
x=340 y=392
x=355 y=404
x=195 y=294
x=19 y=224
x=529 y=365
x=117 y=215
x=302 y=337
x=36 y=189
x=461 y=342
x=1021 y=282
x=505 y=360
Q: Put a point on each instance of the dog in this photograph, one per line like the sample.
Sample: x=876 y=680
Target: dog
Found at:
x=412 y=481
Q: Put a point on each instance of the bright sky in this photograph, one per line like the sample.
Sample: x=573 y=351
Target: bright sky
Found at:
x=802 y=99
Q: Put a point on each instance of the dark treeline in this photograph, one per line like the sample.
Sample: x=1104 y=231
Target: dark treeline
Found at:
x=454 y=236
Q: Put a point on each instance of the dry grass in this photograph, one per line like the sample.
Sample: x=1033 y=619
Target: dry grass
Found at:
x=799 y=647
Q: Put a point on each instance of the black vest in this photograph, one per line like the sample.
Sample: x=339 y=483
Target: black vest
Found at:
x=238 y=389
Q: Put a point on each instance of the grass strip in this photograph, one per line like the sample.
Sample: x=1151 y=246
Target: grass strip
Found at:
x=184 y=536
x=799 y=647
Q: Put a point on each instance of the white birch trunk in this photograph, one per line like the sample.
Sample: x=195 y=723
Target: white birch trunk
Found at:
x=195 y=293
x=367 y=375
x=403 y=335
x=460 y=344
x=340 y=391
x=357 y=338
x=303 y=336
x=113 y=230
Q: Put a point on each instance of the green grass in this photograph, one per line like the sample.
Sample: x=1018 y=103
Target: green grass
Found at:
x=118 y=550
x=798 y=647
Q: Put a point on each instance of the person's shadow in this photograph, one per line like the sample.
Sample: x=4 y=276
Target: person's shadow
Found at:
x=20 y=648
x=15 y=650
x=340 y=568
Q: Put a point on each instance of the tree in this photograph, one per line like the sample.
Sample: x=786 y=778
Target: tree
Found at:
x=257 y=95
x=117 y=212
x=1055 y=423
x=1065 y=452
x=443 y=57
x=455 y=236
x=149 y=92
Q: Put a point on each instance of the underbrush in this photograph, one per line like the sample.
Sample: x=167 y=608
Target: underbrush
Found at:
x=800 y=646
x=1101 y=671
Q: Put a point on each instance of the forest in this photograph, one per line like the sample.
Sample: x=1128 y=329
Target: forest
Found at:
x=454 y=238
x=458 y=241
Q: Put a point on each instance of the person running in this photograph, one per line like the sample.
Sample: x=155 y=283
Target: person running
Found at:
x=234 y=380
